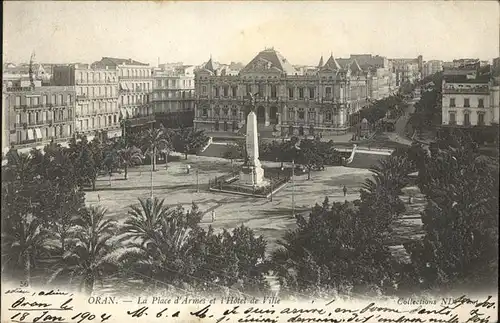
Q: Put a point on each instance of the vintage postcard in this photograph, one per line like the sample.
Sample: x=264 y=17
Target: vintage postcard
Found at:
x=247 y=161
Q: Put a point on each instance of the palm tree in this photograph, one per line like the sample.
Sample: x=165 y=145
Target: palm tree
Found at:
x=130 y=156
x=156 y=140
x=158 y=239
x=24 y=242
x=92 y=253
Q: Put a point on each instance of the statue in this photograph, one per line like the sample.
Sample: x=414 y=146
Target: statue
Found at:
x=253 y=101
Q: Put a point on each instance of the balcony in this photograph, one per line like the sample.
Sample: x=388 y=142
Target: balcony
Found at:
x=475 y=90
x=91 y=82
x=149 y=77
x=38 y=142
x=140 y=120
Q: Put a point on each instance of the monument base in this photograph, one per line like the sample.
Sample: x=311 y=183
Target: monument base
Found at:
x=252 y=176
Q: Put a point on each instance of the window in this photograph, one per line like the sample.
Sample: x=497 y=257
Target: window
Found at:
x=301 y=114
x=60 y=101
x=273 y=91
x=480 y=119
x=225 y=126
x=226 y=111
x=216 y=126
x=205 y=112
x=68 y=99
x=452 y=102
x=28 y=101
x=466 y=103
x=44 y=99
x=216 y=111
x=466 y=119
x=204 y=89
x=226 y=91
x=158 y=83
x=235 y=91
x=480 y=103
x=18 y=101
x=216 y=92
x=311 y=115
x=35 y=101
x=301 y=93
x=328 y=92
x=234 y=112
x=311 y=93
x=328 y=116
x=291 y=114
x=262 y=90
x=249 y=88
x=290 y=92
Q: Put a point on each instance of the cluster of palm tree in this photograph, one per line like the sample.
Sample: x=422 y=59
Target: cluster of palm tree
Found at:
x=49 y=235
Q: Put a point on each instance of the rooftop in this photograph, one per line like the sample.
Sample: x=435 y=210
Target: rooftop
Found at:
x=272 y=59
x=113 y=61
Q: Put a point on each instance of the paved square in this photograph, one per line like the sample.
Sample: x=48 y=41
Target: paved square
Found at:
x=268 y=218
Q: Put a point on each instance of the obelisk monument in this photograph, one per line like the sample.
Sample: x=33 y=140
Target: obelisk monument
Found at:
x=252 y=173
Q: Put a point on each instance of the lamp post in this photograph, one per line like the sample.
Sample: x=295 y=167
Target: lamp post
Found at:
x=293 y=187
x=197 y=182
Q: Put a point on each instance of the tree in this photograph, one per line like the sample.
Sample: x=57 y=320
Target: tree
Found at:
x=158 y=240
x=24 y=242
x=155 y=141
x=189 y=140
x=310 y=155
x=92 y=252
x=236 y=150
x=460 y=246
x=234 y=259
x=23 y=237
x=336 y=250
x=129 y=157
x=87 y=160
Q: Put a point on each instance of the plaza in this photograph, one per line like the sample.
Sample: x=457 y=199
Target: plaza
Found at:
x=268 y=218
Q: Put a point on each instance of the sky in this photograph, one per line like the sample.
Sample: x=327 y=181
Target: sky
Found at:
x=189 y=31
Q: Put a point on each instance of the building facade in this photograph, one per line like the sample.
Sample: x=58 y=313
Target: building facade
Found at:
x=37 y=115
x=287 y=103
x=173 y=96
x=432 y=67
x=469 y=99
x=135 y=88
x=96 y=109
x=407 y=70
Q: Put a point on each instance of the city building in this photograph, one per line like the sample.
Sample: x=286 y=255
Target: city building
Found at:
x=407 y=69
x=15 y=72
x=135 y=82
x=33 y=116
x=382 y=78
x=469 y=98
x=96 y=109
x=432 y=67
x=173 y=96
x=288 y=102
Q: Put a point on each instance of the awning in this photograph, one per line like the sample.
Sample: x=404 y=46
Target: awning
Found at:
x=38 y=133
x=31 y=135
